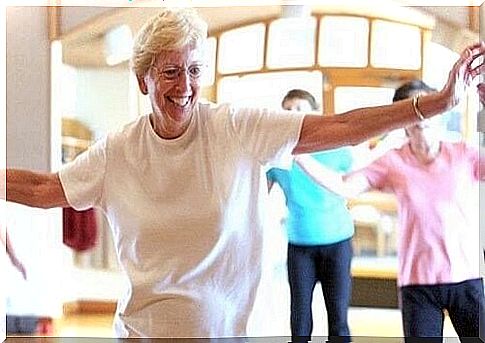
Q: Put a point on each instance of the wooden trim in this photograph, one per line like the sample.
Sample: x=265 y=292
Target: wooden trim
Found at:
x=374 y=273
x=89 y=307
x=54 y=22
x=474 y=18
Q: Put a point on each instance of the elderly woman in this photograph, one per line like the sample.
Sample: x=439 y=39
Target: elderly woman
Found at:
x=436 y=184
x=182 y=186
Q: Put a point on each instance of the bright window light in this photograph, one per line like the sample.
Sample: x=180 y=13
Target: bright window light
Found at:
x=241 y=49
x=291 y=43
x=343 y=41
x=395 y=45
x=118 y=44
x=438 y=60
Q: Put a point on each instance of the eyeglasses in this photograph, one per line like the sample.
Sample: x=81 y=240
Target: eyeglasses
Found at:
x=172 y=73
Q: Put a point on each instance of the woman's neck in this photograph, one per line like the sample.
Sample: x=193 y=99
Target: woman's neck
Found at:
x=165 y=130
x=425 y=152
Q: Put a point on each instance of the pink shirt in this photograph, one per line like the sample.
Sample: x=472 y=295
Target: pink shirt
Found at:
x=438 y=239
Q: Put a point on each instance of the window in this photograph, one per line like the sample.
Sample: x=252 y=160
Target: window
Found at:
x=291 y=43
x=343 y=41
x=242 y=49
x=396 y=46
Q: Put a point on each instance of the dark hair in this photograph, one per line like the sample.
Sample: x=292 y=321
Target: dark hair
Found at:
x=301 y=94
x=408 y=89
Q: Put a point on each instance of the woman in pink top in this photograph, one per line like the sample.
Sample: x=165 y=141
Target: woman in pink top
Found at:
x=436 y=184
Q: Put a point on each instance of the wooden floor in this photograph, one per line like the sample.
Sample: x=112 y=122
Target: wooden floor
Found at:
x=363 y=323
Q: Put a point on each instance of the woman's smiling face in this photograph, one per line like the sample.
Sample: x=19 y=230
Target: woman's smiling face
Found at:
x=173 y=84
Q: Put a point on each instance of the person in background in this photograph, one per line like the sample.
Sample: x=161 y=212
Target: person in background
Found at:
x=183 y=187
x=9 y=249
x=320 y=229
x=436 y=185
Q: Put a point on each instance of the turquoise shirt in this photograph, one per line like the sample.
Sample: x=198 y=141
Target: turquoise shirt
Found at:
x=316 y=216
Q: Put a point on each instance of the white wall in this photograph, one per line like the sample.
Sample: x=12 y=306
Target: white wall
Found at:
x=99 y=98
x=102 y=99
x=36 y=234
x=74 y=16
x=28 y=88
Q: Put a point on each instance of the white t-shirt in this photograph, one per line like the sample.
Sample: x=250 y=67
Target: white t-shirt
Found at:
x=186 y=216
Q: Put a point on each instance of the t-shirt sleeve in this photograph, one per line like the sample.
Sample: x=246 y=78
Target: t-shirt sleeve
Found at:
x=269 y=136
x=82 y=179
x=270 y=175
x=376 y=173
x=477 y=163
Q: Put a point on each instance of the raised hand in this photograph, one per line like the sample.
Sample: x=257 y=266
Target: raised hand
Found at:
x=464 y=72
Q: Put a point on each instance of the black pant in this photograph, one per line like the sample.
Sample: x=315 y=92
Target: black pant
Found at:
x=329 y=264
x=422 y=310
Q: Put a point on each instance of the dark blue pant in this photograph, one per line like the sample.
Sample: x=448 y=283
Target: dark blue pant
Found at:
x=329 y=264
x=422 y=310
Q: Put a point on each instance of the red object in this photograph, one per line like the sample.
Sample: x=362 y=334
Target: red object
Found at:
x=45 y=326
x=80 y=230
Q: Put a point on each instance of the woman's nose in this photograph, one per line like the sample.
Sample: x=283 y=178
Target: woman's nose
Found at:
x=183 y=80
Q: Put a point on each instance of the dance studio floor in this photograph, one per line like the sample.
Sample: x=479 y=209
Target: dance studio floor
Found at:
x=364 y=323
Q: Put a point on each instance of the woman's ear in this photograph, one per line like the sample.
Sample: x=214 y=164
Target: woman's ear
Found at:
x=142 y=84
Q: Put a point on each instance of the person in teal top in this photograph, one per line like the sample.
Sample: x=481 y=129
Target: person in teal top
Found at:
x=320 y=229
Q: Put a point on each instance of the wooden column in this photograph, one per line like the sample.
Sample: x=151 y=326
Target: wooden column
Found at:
x=474 y=18
x=54 y=21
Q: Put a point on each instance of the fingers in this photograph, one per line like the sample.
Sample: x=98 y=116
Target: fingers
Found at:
x=474 y=50
x=479 y=45
x=480 y=69
x=471 y=53
x=469 y=56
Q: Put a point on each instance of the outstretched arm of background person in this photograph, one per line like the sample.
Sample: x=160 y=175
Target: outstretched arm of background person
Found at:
x=354 y=127
x=361 y=158
x=7 y=244
x=35 y=189
x=335 y=182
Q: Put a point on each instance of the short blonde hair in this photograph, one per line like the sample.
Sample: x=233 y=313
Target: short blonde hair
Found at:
x=172 y=28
